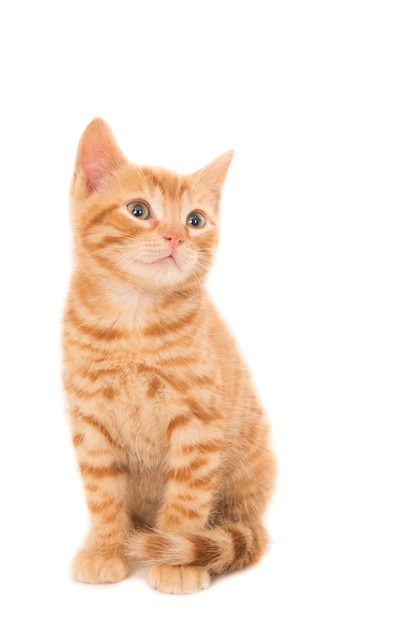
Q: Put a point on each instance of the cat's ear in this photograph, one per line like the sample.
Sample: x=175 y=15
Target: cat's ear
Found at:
x=213 y=175
x=98 y=155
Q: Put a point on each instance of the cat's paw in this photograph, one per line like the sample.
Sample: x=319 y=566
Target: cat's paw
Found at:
x=95 y=567
x=178 y=578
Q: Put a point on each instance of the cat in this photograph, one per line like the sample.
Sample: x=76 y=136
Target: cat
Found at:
x=173 y=447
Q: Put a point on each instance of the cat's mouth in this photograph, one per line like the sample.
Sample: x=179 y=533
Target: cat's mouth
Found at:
x=168 y=260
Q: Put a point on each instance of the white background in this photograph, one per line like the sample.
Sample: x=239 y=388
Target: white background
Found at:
x=304 y=92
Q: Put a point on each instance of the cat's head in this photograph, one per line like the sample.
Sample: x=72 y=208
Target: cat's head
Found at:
x=151 y=227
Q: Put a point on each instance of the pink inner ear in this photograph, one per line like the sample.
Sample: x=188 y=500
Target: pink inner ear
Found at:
x=95 y=173
x=96 y=160
x=98 y=154
x=213 y=175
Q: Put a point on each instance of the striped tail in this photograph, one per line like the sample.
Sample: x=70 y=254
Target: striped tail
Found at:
x=221 y=548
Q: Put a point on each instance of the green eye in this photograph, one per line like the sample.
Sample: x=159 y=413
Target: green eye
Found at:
x=196 y=220
x=138 y=209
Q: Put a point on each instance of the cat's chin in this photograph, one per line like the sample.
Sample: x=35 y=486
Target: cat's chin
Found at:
x=162 y=275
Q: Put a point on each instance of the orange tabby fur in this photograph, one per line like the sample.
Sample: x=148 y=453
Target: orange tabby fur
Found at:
x=171 y=442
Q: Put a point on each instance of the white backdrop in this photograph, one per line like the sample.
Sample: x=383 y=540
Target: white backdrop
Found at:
x=304 y=92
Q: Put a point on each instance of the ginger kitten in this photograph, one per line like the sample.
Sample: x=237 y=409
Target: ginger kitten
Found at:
x=172 y=444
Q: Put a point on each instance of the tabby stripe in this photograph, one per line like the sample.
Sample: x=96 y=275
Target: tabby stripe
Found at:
x=197 y=410
x=182 y=474
x=153 y=371
x=205 y=481
x=108 y=266
x=170 y=187
x=177 y=361
x=91 y=421
x=204 y=446
x=154 y=387
x=179 y=421
x=78 y=439
x=156 y=545
x=178 y=296
x=102 y=472
x=99 y=218
x=253 y=458
x=111 y=517
x=188 y=478
x=206 y=550
x=105 y=334
x=99 y=507
x=107 y=391
x=183 y=511
x=256 y=542
x=177 y=383
x=93 y=487
x=94 y=374
x=185 y=497
x=110 y=536
x=182 y=384
x=162 y=327
x=109 y=240
x=173 y=520
x=240 y=543
x=99 y=452
x=201 y=412
x=95 y=354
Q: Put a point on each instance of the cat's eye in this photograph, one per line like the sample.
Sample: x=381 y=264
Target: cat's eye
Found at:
x=196 y=220
x=138 y=209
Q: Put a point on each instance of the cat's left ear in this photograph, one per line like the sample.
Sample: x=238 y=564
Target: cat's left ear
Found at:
x=213 y=175
x=98 y=155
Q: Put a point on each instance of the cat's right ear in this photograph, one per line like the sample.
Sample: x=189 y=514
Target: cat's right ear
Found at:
x=98 y=155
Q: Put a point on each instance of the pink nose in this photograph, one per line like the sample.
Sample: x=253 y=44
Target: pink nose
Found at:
x=174 y=239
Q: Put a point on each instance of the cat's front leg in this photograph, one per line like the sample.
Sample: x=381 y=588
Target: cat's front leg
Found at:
x=104 y=470
x=194 y=461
